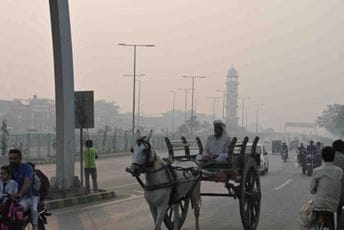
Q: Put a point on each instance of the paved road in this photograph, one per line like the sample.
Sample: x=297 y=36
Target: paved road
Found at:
x=284 y=190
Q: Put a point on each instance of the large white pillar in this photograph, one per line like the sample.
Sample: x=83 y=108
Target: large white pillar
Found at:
x=64 y=93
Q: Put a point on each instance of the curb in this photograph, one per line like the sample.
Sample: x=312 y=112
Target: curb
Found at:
x=67 y=202
x=100 y=156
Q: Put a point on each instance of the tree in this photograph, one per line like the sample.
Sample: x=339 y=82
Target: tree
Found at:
x=332 y=119
x=4 y=139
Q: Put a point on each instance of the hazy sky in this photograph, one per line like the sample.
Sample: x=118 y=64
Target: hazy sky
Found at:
x=289 y=54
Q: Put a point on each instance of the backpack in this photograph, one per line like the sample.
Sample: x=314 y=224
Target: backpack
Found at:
x=45 y=185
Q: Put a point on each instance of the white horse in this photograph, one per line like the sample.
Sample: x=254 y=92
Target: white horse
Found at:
x=167 y=188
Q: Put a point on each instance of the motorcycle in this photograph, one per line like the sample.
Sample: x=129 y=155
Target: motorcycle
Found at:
x=11 y=221
x=312 y=162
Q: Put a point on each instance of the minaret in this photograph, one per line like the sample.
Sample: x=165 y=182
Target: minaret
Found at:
x=232 y=101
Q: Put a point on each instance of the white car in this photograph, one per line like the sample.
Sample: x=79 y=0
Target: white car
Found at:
x=264 y=160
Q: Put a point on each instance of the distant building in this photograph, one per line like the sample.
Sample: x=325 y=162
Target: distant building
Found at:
x=232 y=84
x=34 y=114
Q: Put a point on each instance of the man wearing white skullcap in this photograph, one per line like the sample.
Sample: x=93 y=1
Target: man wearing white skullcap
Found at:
x=217 y=144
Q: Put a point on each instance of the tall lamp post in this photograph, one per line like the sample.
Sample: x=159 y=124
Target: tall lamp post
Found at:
x=257 y=116
x=186 y=103
x=243 y=113
x=139 y=96
x=223 y=102
x=214 y=106
x=173 y=105
x=134 y=80
x=192 y=99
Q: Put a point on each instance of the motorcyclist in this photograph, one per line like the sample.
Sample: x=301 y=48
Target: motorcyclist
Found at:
x=311 y=148
x=302 y=154
x=284 y=150
x=319 y=147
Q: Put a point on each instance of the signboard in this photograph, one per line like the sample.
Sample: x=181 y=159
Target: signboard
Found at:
x=84 y=109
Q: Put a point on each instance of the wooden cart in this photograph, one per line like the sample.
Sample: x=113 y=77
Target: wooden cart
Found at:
x=239 y=174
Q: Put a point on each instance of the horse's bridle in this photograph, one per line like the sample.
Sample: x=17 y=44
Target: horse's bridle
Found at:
x=147 y=151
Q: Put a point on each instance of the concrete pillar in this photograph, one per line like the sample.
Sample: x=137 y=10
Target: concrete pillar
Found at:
x=64 y=93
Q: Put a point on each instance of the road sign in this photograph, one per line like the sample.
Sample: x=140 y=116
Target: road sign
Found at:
x=84 y=109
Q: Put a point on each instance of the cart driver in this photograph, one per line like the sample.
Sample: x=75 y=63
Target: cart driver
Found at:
x=217 y=144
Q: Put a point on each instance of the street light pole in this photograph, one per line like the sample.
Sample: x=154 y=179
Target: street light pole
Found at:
x=134 y=80
x=186 y=103
x=214 y=106
x=257 y=117
x=173 y=105
x=192 y=99
x=223 y=103
x=243 y=113
x=139 y=96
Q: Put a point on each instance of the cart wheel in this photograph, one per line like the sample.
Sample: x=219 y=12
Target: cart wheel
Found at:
x=183 y=206
x=250 y=195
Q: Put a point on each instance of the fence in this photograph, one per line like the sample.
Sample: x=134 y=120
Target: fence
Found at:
x=43 y=146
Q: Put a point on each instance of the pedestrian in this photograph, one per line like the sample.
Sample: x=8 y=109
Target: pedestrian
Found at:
x=90 y=156
x=338 y=146
x=326 y=185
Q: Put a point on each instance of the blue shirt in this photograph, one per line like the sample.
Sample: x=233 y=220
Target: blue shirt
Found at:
x=19 y=174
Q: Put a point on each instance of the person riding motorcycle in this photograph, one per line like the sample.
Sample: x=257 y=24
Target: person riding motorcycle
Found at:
x=301 y=156
x=284 y=150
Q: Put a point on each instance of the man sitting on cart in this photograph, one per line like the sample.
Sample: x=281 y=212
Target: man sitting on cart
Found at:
x=217 y=144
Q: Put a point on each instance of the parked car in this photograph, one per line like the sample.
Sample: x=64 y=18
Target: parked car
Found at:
x=264 y=159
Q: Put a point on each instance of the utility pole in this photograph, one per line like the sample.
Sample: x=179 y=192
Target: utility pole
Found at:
x=192 y=99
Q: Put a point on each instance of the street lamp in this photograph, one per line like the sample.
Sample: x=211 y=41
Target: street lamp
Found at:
x=214 y=106
x=139 y=96
x=173 y=104
x=134 y=80
x=186 y=102
x=192 y=99
x=223 y=103
x=243 y=112
x=257 y=116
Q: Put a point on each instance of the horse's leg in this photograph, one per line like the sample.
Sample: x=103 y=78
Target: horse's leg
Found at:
x=153 y=211
x=161 y=211
x=196 y=201
x=176 y=216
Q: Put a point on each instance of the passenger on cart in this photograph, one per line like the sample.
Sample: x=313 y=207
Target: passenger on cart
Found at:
x=217 y=144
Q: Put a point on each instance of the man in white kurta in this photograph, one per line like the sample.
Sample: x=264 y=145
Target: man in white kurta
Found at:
x=217 y=144
x=326 y=185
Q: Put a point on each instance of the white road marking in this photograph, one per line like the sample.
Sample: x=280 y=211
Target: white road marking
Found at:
x=284 y=184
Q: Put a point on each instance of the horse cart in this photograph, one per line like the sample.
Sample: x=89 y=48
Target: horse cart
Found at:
x=239 y=173
x=172 y=183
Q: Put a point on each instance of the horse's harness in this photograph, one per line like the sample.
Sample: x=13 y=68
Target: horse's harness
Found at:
x=170 y=171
